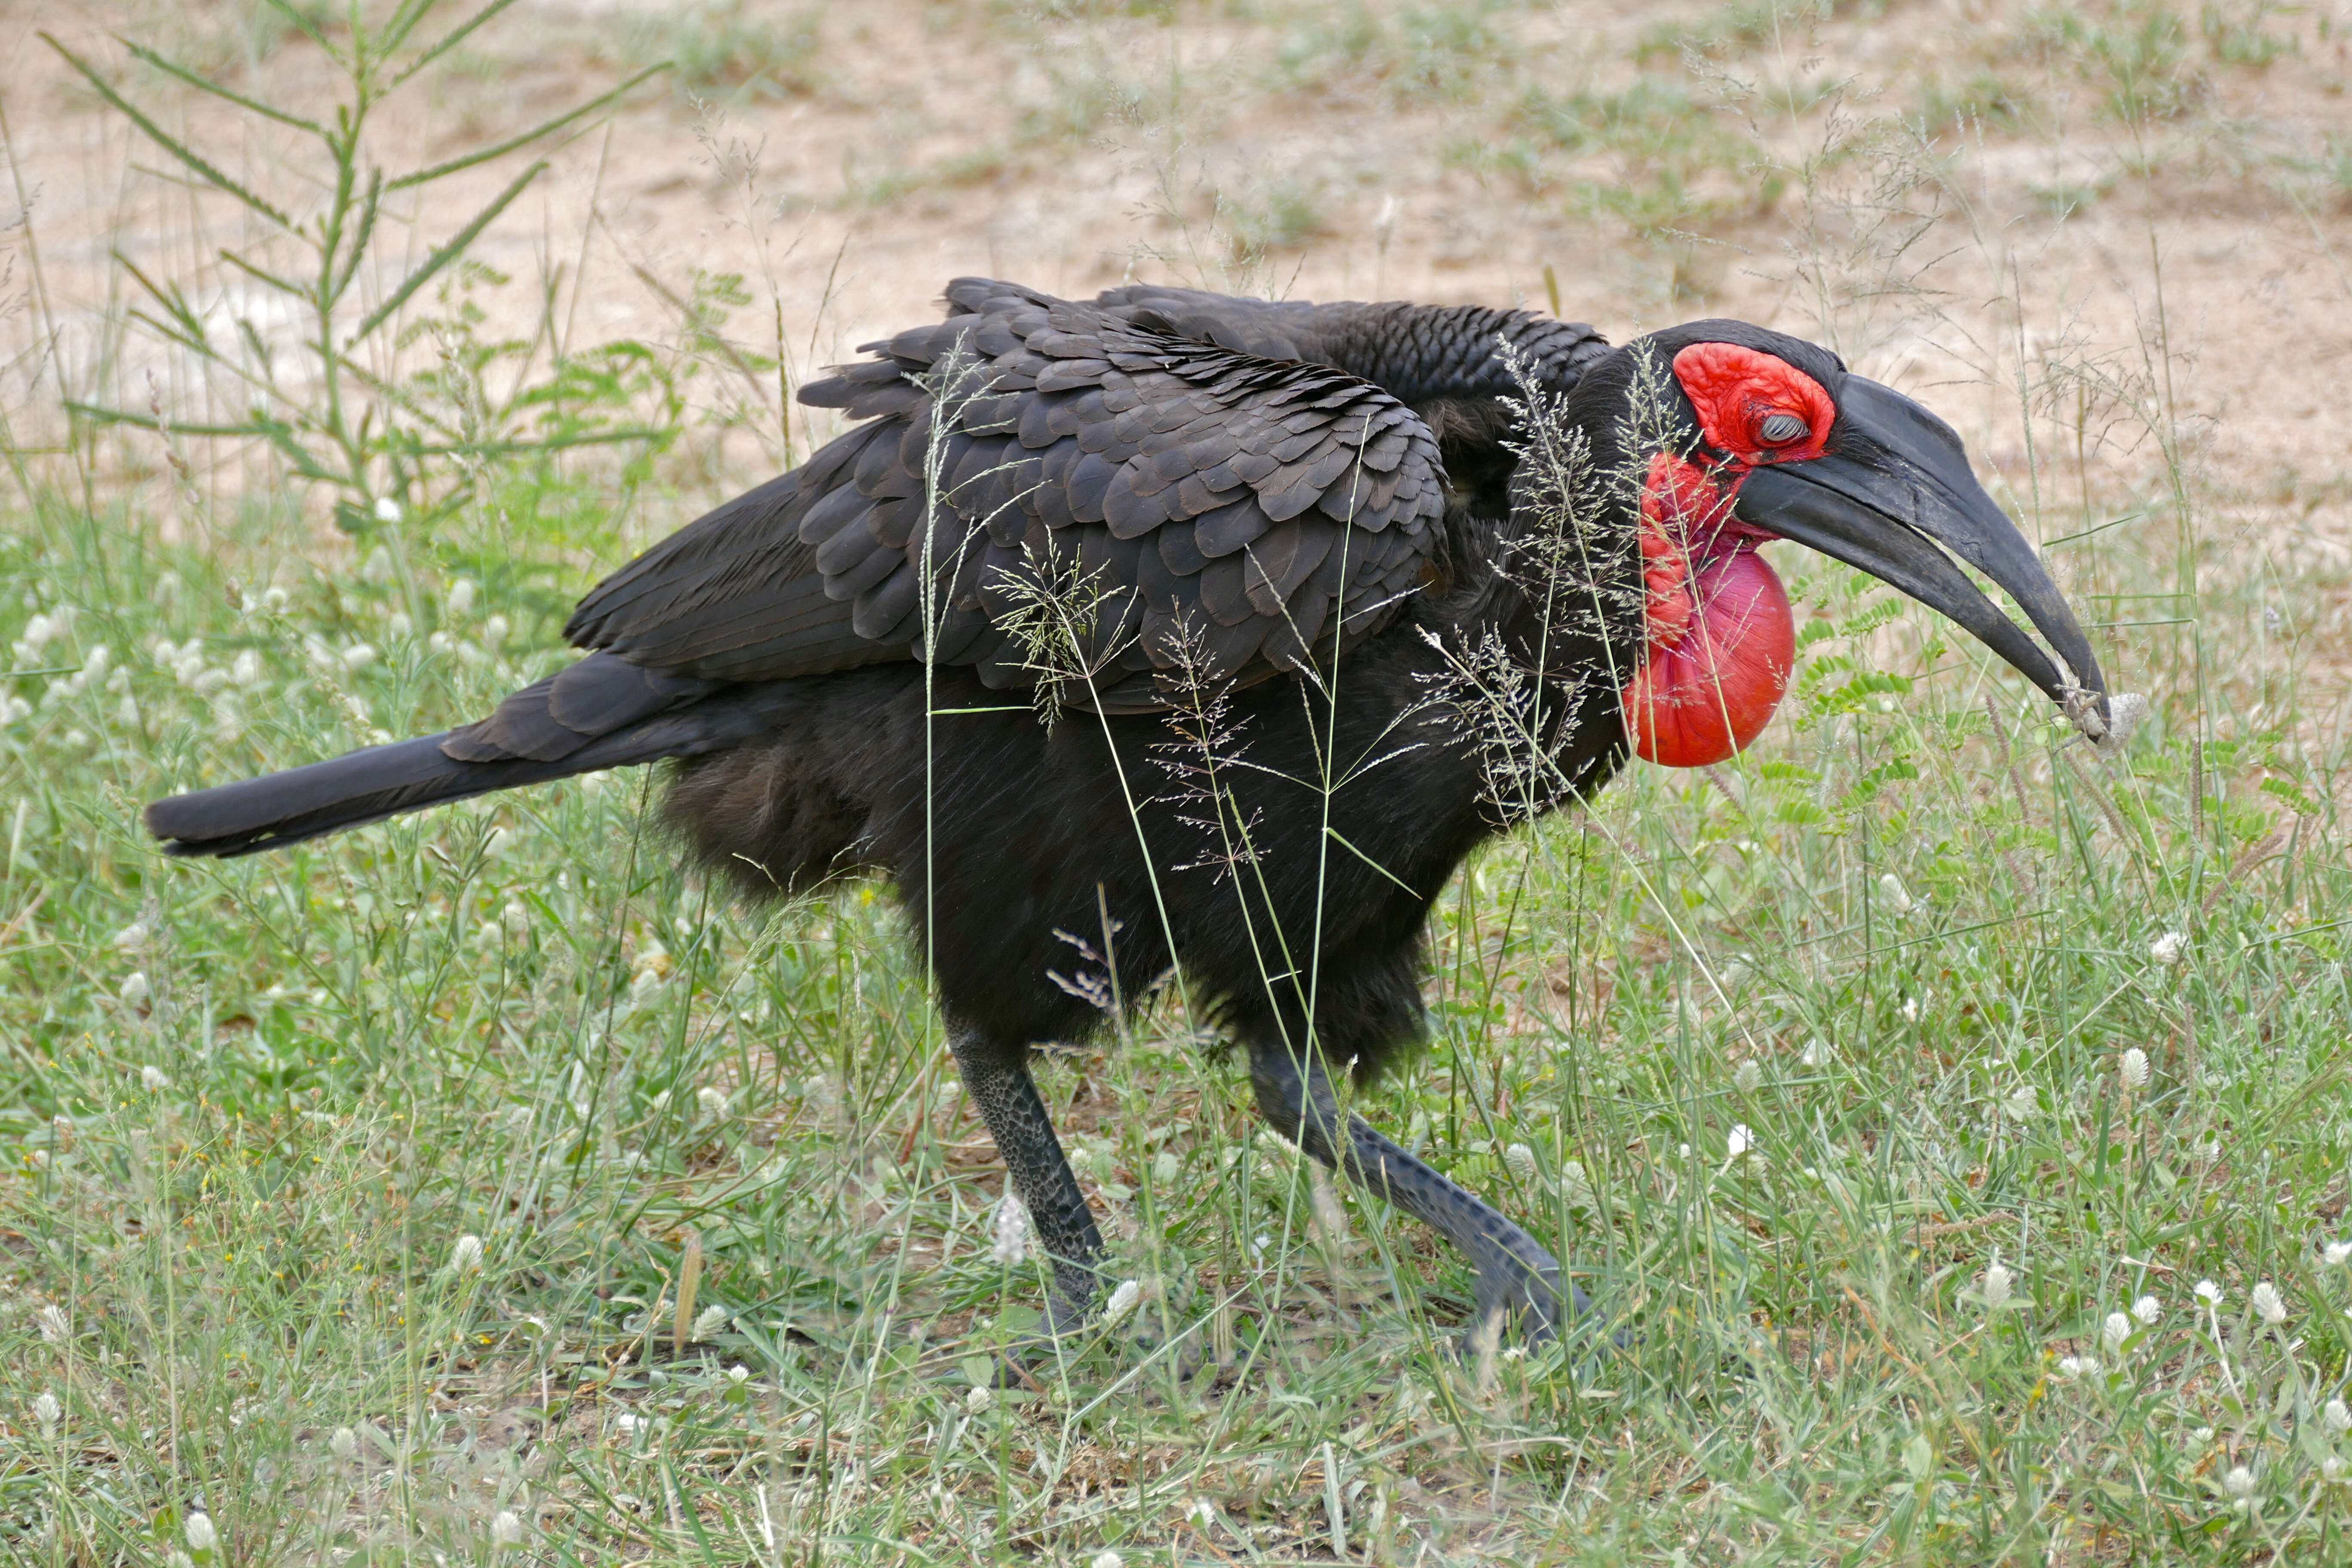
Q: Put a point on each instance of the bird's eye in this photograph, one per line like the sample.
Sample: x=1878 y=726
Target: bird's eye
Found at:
x=1779 y=429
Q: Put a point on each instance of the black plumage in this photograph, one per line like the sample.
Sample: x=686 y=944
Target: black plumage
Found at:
x=1285 y=525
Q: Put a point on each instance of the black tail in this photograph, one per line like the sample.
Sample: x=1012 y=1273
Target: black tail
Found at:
x=599 y=714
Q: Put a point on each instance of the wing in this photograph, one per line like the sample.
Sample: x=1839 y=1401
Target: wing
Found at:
x=1113 y=496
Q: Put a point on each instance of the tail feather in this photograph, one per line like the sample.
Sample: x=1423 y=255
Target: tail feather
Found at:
x=369 y=785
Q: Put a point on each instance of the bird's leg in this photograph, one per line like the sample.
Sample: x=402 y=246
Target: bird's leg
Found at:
x=999 y=1082
x=1517 y=1277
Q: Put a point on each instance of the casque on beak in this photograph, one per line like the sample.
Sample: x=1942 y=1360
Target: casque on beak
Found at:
x=1890 y=493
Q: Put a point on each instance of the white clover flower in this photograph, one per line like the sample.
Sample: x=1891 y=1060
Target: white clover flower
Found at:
x=494 y=631
x=2337 y=1417
x=1748 y=1077
x=202 y=1538
x=2134 y=1068
x=154 y=1078
x=460 y=597
x=344 y=1443
x=2208 y=1292
x=136 y=990
x=1575 y=1185
x=1122 y=1300
x=709 y=1321
x=2021 y=1102
x=133 y=937
x=1892 y=894
x=1521 y=1161
x=505 y=1529
x=979 y=1399
x=2335 y=1253
x=2118 y=1328
x=710 y=1100
x=56 y=1327
x=1012 y=1245
x=2268 y=1305
x=465 y=1258
x=359 y=656
x=2076 y=1366
x=2201 y=1437
x=1740 y=1141
x=2239 y=1482
x=49 y=1413
x=2148 y=1309
x=2166 y=948
x=246 y=670
x=1997 y=1284
x=398 y=627
x=1105 y=1560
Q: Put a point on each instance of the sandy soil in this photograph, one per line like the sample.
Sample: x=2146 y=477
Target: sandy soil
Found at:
x=924 y=145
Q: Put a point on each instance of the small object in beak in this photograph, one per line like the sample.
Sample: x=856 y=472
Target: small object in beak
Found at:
x=2125 y=712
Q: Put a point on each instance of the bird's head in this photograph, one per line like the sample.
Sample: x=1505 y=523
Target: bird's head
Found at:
x=1728 y=436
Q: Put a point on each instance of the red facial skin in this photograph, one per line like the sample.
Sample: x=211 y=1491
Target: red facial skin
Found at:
x=1721 y=640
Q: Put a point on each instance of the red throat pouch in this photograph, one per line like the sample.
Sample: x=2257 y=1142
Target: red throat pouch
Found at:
x=1721 y=641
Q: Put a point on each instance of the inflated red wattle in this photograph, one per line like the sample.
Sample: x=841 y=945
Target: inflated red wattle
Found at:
x=1711 y=691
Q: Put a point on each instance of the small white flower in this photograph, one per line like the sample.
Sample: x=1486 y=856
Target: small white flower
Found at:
x=1997 y=1284
x=2239 y=1482
x=979 y=1399
x=739 y=1375
x=1815 y=1054
x=505 y=1529
x=1122 y=1300
x=2134 y=1068
x=2021 y=1102
x=2268 y=1304
x=709 y=1321
x=387 y=510
x=2335 y=1253
x=133 y=937
x=344 y=1445
x=154 y=1078
x=2331 y=1469
x=49 y=1413
x=626 y=1421
x=246 y=670
x=1012 y=1245
x=1748 y=1076
x=2201 y=1436
x=136 y=990
x=2148 y=1309
x=1105 y=1560
x=494 y=631
x=2166 y=948
x=2074 y=1366
x=1910 y=1009
x=712 y=1102
x=275 y=598
x=359 y=656
x=465 y=1258
x=2116 y=1331
x=201 y=1535
x=398 y=627
x=56 y=1327
x=460 y=597
x=1521 y=1161
x=1575 y=1185
x=1740 y=1141
x=1892 y=894
x=2208 y=1292
x=2337 y=1417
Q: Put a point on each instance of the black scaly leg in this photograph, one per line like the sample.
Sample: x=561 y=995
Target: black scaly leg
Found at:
x=998 y=1080
x=1517 y=1277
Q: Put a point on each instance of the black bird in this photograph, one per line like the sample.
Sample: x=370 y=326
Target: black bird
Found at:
x=1324 y=595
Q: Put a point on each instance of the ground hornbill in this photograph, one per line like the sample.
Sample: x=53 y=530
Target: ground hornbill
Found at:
x=1235 y=627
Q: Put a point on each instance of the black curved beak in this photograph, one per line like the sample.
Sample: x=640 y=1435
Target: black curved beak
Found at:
x=1892 y=493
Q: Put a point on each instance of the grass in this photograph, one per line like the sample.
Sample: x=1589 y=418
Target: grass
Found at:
x=1818 y=1066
